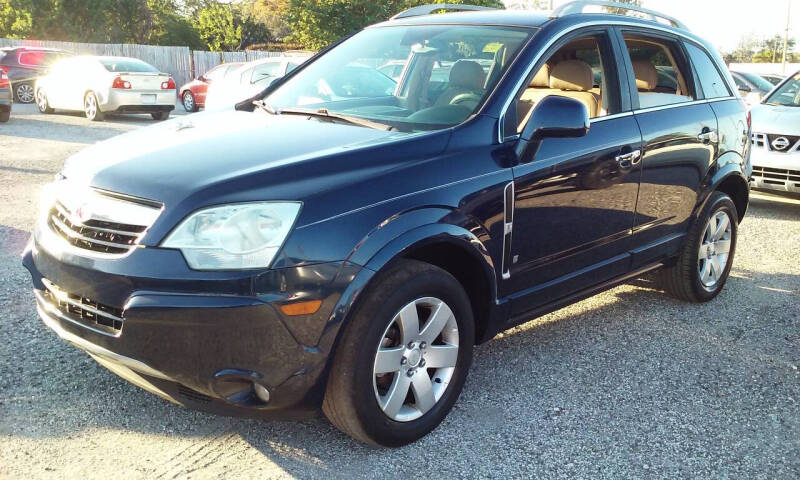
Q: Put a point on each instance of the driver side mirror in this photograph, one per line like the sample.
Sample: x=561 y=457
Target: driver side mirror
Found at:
x=554 y=117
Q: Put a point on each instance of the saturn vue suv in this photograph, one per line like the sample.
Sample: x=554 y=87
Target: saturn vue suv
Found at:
x=329 y=244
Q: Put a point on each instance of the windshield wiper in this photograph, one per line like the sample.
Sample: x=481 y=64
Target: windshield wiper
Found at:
x=266 y=107
x=324 y=113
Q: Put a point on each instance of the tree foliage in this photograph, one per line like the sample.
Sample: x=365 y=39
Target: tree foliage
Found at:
x=216 y=26
x=15 y=19
x=318 y=23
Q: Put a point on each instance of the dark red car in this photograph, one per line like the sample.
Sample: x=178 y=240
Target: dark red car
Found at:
x=24 y=65
x=193 y=94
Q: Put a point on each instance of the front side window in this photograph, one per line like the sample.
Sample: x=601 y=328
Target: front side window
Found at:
x=710 y=79
x=662 y=76
x=787 y=95
x=581 y=70
x=449 y=71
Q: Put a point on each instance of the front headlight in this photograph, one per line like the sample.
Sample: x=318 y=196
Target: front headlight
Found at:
x=237 y=236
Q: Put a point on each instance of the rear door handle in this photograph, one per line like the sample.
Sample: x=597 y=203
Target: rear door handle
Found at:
x=629 y=160
x=708 y=137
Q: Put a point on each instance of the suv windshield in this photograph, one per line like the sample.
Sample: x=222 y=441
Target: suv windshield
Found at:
x=787 y=94
x=446 y=72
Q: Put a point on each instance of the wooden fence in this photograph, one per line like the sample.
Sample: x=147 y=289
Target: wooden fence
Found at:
x=180 y=62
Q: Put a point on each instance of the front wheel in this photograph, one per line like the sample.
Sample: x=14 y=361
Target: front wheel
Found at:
x=159 y=116
x=23 y=92
x=91 y=107
x=403 y=358
x=42 y=103
x=705 y=262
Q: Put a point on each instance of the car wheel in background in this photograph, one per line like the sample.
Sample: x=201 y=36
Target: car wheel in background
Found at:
x=4 y=116
x=188 y=102
x=705 y=262
x=42 y=103
x=91 y=107
x=23 y=92
x=403 y=357
x=160 y=115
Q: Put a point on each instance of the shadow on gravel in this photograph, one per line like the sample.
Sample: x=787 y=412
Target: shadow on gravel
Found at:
x=12 y=240
x=46 y=130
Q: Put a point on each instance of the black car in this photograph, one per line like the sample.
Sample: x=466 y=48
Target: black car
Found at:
x=309 y=248
x=24 y=65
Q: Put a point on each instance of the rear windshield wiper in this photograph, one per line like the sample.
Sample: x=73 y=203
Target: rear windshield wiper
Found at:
x=324 y=113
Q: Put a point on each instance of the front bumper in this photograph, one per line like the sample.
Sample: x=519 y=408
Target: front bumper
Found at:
x=205 y=340
x=138 y=101
x=775 y=170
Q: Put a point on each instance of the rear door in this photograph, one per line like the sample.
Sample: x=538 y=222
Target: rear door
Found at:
x=574 y=202
x=680 y=135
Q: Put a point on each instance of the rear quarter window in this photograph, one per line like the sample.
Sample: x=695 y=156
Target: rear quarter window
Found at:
x=710 y=79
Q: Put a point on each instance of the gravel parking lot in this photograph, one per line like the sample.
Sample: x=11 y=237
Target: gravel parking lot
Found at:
x=630 y=383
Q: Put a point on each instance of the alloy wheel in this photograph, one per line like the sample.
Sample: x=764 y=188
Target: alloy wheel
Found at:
x=90 y=106
x=415 y=359
x=41 y=100
x=25 y=93
x=188 y=102
x=712 y=259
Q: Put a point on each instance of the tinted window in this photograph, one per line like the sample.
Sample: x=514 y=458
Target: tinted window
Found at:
x=36 y=58
x=660 y=70
x=124 y=65
x=710 y=80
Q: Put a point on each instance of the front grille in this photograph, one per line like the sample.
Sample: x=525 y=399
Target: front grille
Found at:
x=84 y=310
x=95 y=235
x=765 y=140
x=776 y=176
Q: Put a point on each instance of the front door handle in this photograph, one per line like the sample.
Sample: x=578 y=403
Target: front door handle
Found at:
x=629 y=160
x=708 y=136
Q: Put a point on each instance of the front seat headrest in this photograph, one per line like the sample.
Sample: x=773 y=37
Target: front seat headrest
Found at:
x=467 y=74
x=572 y=75
x=646 y=75
x=542 y=78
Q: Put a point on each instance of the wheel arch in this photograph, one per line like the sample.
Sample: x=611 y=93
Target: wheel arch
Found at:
x=730 y=179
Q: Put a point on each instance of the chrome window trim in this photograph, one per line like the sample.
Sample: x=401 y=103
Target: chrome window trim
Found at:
x=610 y=23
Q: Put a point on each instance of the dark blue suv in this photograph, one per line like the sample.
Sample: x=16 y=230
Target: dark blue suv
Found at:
x=345 y=238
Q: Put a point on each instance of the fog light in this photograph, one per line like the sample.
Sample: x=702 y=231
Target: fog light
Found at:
x=261 y=392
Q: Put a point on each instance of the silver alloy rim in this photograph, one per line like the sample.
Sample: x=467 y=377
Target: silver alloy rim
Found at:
x=714 y=249
x=91 y=106
x=25 y=93
x=415 y=360
x=41 y=100
x=188 y=101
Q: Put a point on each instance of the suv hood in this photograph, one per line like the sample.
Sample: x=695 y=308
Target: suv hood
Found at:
x=171 y=161
x=776 y=120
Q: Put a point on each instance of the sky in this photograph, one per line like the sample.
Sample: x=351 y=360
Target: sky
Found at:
x=725 y=22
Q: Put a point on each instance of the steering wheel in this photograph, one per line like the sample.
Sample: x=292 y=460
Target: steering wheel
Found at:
x=462 y=98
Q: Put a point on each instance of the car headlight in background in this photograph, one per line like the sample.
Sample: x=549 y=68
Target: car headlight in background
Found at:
x=236 y=236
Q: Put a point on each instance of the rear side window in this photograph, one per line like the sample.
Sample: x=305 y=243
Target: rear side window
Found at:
x=662 y=74
x=264 y=71
x=710 y=79
x=31 y=59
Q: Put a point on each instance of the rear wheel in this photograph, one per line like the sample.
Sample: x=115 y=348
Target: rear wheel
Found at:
x=189 y=103
x=160 y=115
x=91 y=107
x=42 y=102
x=705 y=261
x=23 y=92
x=403 y=358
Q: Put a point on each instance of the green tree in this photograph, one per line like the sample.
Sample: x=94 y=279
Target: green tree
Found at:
x=16 y=20
x=216 y=26
x=273 y=14
x=318 y=23
x=172 y=28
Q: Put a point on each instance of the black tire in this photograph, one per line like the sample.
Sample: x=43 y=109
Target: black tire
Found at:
x=5 y=115
x=95 y=115
x=42 y=103
x=189 y=103
x=683 y=279
x=160 y=116
x=23 y=92
x=350 y=402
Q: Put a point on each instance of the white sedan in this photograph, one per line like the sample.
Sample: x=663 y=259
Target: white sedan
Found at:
x=100 y=85
x=248 y=80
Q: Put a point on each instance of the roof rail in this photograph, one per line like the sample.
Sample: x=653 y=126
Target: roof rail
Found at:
x=428 y=9
x=576 y=7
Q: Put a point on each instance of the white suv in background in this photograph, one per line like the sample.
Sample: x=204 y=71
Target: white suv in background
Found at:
x=776 y=138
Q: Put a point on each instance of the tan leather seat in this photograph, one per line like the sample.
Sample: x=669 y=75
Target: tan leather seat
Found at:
x=572 y=79
x=646 y=75
x=647 y=84
x=466 y=76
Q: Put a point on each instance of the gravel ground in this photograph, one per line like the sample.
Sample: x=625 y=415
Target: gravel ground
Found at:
x=630 y=383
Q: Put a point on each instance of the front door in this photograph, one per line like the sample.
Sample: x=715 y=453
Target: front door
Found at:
x=574 y=203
